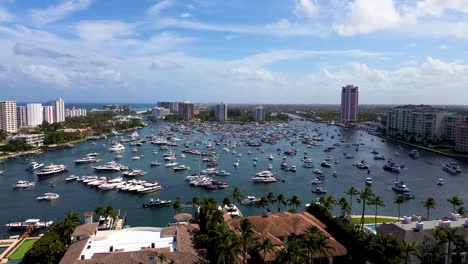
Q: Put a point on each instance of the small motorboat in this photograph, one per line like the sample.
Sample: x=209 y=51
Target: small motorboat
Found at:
x=319 y=190
x=24 y=184
x=155 y=163
x=440 y=182
x=316 y=181
x=157 y=203
x=368 y=181
x=48 y=197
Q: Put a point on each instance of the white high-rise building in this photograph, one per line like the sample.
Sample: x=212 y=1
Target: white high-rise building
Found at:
x=259 y=114
x=35 y=114
x=59 y=106
x=49 y=114
x=221 y=112
x=8 y=116
x=21 y=116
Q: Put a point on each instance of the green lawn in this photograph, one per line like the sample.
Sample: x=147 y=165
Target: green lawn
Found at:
x=21 y=250
x=370 y=220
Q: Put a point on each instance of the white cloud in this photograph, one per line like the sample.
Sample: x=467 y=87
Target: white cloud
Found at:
x=185 y=15
x=157 y=8
x=47 y=74
x=438 y=7
x=5 y=15
x=367 y=16
x=103 y=30
x=58 y=12
x=308 y=8
x=411 y=45
x=443 y=47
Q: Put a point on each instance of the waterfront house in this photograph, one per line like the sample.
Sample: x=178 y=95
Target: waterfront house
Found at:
x=281 y=227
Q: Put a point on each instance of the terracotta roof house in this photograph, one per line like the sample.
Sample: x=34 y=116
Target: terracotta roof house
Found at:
x=132 y=245
x=280 y=227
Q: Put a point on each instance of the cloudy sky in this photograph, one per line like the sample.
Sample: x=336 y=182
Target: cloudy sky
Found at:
x=242 y=51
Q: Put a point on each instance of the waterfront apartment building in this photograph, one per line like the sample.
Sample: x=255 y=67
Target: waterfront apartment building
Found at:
x=159 y=113
x=59 y=106
x=8 y=122
x=461 y=137
x=418 y=123
x=349 y=104
x=21 y=116
x=450 y=126
x=73 y=112
x=35 y=140
x=186 y=110
x=172 y=106
x=221 y=112
x=49 y=114
x=35 y=114
x=259 y=114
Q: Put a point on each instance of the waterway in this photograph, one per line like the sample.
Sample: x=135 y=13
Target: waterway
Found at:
x=420 y=175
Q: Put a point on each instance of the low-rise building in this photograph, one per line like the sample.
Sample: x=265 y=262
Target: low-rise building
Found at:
x=73 y=112
x=159 y=113
x=35 y=140
x=413 y=230
x=138 y=244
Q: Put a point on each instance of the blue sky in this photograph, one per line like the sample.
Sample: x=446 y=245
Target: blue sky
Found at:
x=243 y=51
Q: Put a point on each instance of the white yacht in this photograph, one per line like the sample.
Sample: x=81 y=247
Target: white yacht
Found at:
x=171 y=164
x=109 y=167
x=264 y=176
x=34 y=165
x=250 y=200
x=86 y=159
x=400 y=187
x=222 y=173
x=231 y=210
x=48 y=197
x=368 y=181
x=440 y=181
x=182 y=167
x=270 y=157
x=133 y=173
x=50 y=170
x=24 y=184
x=117 y=147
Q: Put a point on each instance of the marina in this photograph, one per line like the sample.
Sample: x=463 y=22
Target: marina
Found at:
x=221 y=157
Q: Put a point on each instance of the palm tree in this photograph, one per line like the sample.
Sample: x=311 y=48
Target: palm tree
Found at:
x=195 y=201
x=266 y=247
x=247 y=232
x=281 y=201
x=226 y=202
x=106 y=213
x=177 y=206
x=226 y=244
x=455 y=201
x=271 y=198
x=294 y=201
x=352 y=191
x=69 y=224
x=344 y=206
x=461 y=210
x=262 y=203
x=364 y=197
x=237 y=195
x=399 y=199
x=433 y=252
x=429 y=204
x=450 y=235
x=315 y=243
x=376 y=201
x=408 y=249
x=329 y=202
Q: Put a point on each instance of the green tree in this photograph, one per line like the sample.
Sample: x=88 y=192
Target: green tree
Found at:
x=271 y=198
x=352 y=191
x=177 y=206
x=281 y=201
x=399 y=199
x=237 y=195
x=195 y=201
x=246 y=236
x=455 y=201
x=329 y=202
x=409 y=249
x=294 y=202
x=376 y=201
x=225 y=245
x=107 y=212
x=345 y=208
x=429 y=204
x=364 y=197
x=265 y=247
x=262 y=203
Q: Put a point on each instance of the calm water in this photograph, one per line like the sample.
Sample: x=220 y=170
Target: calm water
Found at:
x=421 y=176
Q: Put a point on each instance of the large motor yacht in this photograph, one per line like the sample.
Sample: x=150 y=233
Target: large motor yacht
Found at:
x=264 y=176
x=50 y=170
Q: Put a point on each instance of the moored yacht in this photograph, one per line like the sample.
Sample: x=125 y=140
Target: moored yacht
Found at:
x=48 y=197
x=156 y=203
x=117 y=147
x=34 y=165
x=24 y=184
x=111 y=166
x=400 y=187
x=50 y=170
x=265 y=177
x=86 y=159
x=250 y=200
